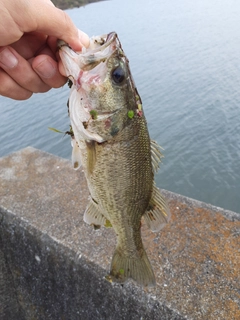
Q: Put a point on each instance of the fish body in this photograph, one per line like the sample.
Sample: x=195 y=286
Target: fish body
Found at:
x=112 y=143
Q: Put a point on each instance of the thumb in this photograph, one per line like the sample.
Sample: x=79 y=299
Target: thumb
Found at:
x=58 y=24
x=44 y=17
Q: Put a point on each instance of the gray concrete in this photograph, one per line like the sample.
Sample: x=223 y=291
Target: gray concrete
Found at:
x=53 y=265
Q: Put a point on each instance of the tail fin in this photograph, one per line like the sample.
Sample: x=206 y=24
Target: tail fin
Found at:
x=138 y=268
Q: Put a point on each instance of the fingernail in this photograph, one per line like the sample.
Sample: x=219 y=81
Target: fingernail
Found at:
x=7 y=59
x=84 y=38
x=45 y=69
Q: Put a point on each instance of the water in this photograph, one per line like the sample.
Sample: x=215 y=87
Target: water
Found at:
x=185 y=59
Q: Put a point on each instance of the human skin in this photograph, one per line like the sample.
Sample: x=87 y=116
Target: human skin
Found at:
x=29 y=30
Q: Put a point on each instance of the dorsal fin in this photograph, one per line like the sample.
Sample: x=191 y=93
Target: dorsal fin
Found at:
x=156 y=155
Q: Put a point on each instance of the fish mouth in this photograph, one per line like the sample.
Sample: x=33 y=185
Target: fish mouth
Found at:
x=97 y=44
x=99 y=50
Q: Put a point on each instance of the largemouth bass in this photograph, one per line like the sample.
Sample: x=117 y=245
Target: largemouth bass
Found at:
x=111 y=141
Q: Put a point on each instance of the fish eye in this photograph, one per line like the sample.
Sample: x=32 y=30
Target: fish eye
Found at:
x=118 y=75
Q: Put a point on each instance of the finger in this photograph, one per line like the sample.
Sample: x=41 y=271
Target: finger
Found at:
x=49 y=23
x=9 y=88
x=29 y=44
x=52 y=44
x=61 y=68
x=20 y=71
x=47 y=69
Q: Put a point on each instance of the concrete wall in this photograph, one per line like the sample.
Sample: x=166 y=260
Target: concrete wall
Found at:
x=52 y=265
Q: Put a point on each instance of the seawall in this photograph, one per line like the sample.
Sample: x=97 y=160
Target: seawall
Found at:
x=52 y=265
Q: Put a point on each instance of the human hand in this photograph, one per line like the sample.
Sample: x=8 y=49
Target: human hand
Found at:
x=28 y=44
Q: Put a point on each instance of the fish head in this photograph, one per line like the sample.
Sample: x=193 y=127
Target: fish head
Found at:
x=103 y=98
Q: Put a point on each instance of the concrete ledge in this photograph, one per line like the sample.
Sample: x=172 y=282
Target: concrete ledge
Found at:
x=53 y=265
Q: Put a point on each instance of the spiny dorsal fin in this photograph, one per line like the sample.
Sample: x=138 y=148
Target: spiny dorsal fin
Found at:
x=93 y=216
x=157 y=214
x=156 y=155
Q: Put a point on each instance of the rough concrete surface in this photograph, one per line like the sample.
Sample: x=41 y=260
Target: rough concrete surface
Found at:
x=53 y=265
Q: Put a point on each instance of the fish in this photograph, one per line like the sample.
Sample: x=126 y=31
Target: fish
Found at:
x=111 y=142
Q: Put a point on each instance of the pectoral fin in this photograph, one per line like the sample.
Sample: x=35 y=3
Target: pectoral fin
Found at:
x=91 y=155
x=76 y=158
x=157 y=214
x=93 y=216
x=156 y=155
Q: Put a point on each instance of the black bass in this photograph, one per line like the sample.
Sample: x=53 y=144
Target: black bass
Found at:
x=111 y=141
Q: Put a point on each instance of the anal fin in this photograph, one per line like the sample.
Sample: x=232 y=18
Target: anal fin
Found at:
x=93 y=216
x=158 y=213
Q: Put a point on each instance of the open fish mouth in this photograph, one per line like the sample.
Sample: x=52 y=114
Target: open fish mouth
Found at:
x=99 y=50
x=97 y=46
